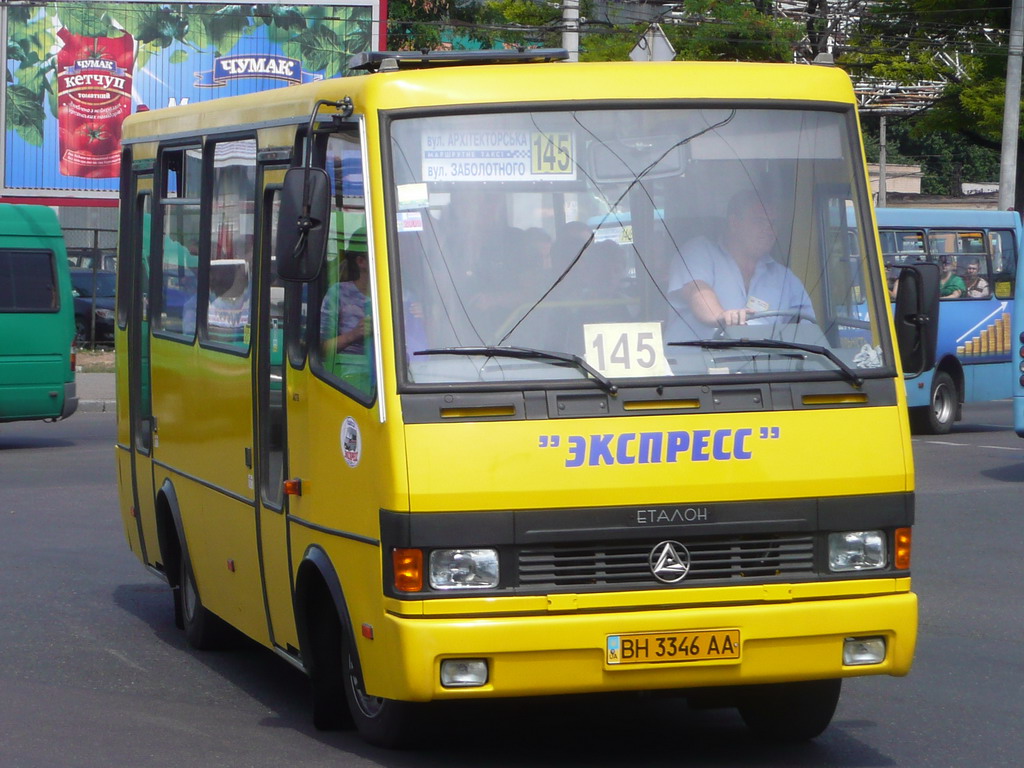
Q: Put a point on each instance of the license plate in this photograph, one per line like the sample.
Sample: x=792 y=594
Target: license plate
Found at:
x=674 y=647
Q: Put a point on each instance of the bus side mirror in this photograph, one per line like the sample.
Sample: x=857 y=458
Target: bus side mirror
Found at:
x=917 y=316
x=301 y=232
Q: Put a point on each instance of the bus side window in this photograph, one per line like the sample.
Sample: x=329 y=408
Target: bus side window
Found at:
x=1004 y=263
x=344 y=350
x=179 y=242
x=233 y=172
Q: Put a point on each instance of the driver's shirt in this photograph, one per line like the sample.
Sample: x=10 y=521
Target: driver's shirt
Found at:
x=773 y=287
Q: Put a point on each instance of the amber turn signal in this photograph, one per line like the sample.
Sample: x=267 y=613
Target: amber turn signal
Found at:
x=902 y=558
x=408 y=565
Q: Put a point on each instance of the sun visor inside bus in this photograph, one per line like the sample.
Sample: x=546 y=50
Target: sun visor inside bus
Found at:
x=627 y=159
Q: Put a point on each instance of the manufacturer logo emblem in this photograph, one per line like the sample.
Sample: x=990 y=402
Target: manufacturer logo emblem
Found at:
x=351 y=442
x=670 y=561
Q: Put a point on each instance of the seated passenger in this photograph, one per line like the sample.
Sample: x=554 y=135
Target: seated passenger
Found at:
x=976 y=285
x=729 y=281
x=345 y=325
x=228 y=311
x=951 y=285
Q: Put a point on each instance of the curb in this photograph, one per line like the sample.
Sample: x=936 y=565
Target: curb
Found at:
x=96 y=406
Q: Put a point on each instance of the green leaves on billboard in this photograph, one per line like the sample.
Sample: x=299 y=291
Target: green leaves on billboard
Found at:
x=322 y=37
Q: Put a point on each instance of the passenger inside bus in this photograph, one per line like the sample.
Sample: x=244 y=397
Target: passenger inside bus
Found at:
x=345 y=323
x=731 y=280
x=951 y=285
x=975 y=284
x=228 y=313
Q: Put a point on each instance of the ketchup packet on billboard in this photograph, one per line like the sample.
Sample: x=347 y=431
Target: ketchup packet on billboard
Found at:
x=94 y=95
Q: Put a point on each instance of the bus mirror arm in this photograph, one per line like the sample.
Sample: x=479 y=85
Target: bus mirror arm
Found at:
x=916 y=316
x=304 y=217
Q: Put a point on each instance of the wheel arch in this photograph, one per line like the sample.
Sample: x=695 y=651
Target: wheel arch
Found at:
x=951 y=364
x=170 y=531
x=317 y=586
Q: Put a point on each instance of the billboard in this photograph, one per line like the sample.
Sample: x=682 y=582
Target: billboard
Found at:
x=75 y=70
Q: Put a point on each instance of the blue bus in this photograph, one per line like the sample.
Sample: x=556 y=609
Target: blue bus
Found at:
x=977 y=253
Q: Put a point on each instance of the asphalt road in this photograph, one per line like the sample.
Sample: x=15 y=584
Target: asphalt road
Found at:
x=93 y=672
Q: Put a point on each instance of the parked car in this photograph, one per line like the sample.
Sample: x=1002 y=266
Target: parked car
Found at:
x=94 y=294
x=101 y=258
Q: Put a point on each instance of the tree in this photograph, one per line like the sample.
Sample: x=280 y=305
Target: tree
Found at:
x=960 y=42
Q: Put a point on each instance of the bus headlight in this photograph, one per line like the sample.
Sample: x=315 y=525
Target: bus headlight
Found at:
x=856 y=551
x=464 y=568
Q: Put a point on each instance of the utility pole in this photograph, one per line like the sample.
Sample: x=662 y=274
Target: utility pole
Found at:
x=571 y=28
x=883 y=182
x=1011 y=110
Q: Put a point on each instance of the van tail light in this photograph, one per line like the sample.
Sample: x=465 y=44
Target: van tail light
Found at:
x=74 y=359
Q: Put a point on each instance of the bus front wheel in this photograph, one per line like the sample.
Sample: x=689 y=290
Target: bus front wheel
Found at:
x=938 y=416
x=789 y=712
x=382 y=722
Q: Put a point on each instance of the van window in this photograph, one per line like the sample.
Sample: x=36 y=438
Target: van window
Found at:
x=28 y=282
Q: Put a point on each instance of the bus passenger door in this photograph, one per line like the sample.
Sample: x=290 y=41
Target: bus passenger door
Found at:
x=139 y=381
x=271 y=432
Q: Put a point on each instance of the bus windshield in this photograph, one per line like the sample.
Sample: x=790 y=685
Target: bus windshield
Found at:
x=626 y=240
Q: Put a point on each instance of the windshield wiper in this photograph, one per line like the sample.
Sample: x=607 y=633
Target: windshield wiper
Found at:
x=525 y=353
x=849 y=373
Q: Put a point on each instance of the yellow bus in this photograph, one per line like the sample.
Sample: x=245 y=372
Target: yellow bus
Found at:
x=420 y=385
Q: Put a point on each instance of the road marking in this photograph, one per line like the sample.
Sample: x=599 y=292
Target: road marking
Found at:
x=969 y=445
x=122 y=657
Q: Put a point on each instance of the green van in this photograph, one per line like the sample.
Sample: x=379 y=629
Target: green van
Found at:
x=37 y=317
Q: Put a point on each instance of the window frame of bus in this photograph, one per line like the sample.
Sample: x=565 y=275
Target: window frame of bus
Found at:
x=958 y=254
x=406 y=386
x=156 y=240
x=207 y=195
x=310 y=321
x=1009 y=275
x=296 y=295
x=835 y=220
x=128 y=232
x=265 y=255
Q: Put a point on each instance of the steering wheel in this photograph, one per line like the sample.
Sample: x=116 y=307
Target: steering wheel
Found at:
x=791 y=315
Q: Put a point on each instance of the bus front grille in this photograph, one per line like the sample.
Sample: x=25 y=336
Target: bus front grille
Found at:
x=765 y=557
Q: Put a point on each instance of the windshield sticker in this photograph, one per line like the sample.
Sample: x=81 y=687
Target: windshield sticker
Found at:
x=621 y=350
x=412 y=196
x=410 y=221
x=673 y=447
x=351 y=441
x=868 y=357
x=496 y=155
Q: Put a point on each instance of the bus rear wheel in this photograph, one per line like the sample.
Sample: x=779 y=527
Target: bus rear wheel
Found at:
x=203 y=630
x=938 y=416
x=383 y=722
x=789 y=712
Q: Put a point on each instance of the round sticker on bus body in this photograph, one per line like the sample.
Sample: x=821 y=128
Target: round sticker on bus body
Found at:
x=351 y=441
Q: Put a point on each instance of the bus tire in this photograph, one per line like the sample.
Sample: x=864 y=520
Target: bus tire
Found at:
x=327 y=671
x=790 y=712
x=204 y=631
x=938 y=416
x=383 y=722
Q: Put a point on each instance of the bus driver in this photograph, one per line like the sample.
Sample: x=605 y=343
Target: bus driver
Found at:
x=729 y=281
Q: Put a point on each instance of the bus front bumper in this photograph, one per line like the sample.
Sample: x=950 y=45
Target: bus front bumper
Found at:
x=566 y=653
